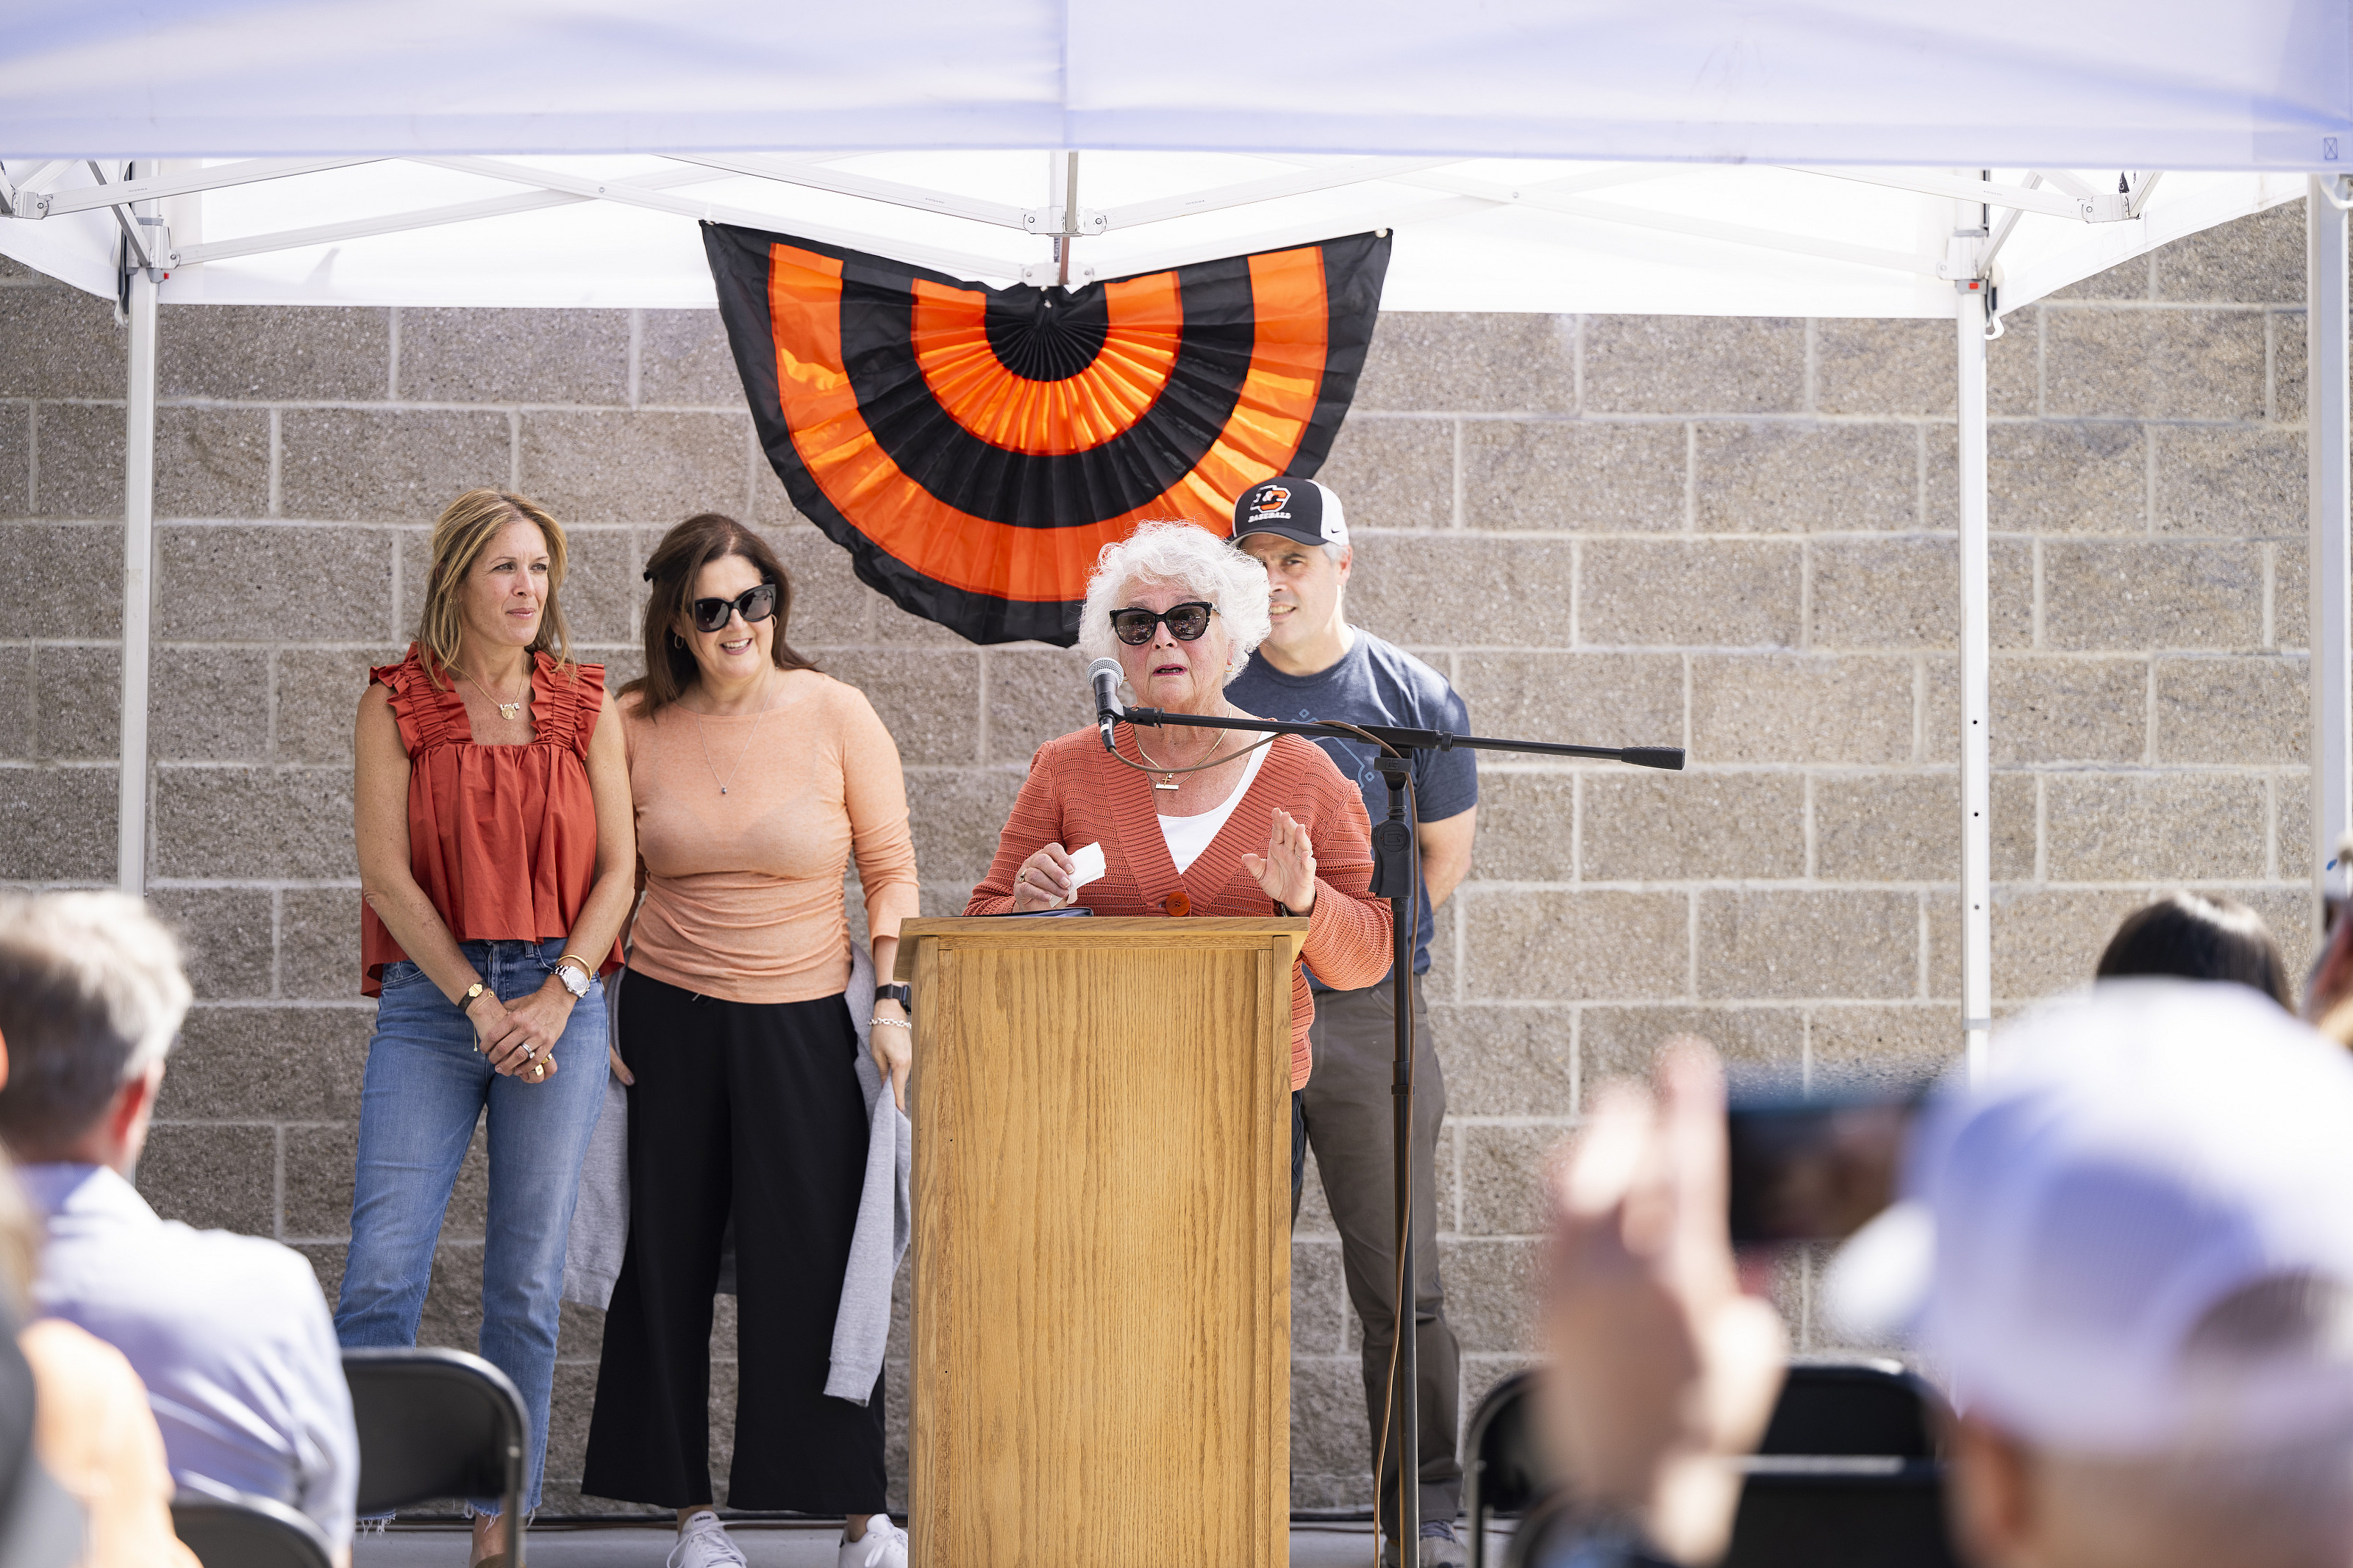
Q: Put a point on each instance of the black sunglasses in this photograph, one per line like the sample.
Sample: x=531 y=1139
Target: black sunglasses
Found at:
x=753 y=604
x=1186 y=622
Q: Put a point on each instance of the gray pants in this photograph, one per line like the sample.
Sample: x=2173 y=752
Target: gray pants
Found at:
x=1348 y=1108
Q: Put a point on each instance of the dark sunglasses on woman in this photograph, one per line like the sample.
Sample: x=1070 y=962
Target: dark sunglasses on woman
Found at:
x=753 y=604
x=1186 y=622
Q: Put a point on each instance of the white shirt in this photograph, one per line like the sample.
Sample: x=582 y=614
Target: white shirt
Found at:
x=1188 y=835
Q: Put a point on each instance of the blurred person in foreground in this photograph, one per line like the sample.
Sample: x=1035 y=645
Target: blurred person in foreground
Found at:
x=1313 y=664
x=2190 y=936
x=229 y=1333
x=2135 y=1270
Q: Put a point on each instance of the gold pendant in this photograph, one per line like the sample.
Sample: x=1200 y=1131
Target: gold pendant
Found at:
x=1170 y=785
x=510 y=709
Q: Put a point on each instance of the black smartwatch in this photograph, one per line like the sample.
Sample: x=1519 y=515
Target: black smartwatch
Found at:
x=901 y=994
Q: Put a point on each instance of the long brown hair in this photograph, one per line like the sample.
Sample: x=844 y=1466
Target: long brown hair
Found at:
x=672 y=568
x=461 y=535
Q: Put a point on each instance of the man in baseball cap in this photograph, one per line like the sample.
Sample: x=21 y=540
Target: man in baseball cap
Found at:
x=1314 y=664
x=2130 y=1252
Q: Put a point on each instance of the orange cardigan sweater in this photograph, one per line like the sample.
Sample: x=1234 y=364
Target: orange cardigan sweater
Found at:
x=1075 y=795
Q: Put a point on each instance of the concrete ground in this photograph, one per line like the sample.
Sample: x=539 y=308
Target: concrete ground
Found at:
x=617 y=1546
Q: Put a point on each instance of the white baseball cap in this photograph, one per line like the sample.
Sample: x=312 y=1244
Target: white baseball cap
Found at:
x=2137 y=1155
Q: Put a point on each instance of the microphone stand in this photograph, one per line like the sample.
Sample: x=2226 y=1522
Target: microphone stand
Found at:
x=1397 y=877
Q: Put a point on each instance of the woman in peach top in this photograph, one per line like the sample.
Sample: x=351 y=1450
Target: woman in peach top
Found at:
x=755 y=780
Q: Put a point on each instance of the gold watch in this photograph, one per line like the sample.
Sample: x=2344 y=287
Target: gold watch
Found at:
x=476 y=989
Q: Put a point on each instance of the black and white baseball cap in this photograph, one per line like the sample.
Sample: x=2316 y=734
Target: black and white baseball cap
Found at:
x=1296 y=508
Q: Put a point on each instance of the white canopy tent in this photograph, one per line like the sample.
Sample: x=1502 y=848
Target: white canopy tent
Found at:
x=1854 y=158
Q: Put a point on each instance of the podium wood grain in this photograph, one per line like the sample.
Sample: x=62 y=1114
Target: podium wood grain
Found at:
x=1101 y=1280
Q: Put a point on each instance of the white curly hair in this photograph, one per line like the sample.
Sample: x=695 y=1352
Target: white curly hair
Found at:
x=1193 y=559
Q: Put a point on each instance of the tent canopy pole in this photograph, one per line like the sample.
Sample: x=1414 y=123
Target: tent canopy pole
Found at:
x=1970 y=317
x=2332 y=556
x=138 y=578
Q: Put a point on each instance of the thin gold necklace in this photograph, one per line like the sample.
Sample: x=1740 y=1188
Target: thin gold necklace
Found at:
x=1170 y=773
x=506 y=710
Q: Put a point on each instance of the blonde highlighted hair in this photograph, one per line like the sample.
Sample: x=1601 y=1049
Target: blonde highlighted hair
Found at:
x=461 y=534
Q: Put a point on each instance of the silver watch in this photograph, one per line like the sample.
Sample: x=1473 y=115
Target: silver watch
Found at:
x=575 y=976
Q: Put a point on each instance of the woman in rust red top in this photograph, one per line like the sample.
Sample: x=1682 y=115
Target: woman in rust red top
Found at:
x=1203 y=822
x=492 y=804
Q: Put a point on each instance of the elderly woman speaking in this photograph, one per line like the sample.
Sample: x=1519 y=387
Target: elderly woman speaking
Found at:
x=1204 y=822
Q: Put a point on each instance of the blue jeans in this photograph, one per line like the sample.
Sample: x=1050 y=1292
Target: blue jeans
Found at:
x=425 y=1088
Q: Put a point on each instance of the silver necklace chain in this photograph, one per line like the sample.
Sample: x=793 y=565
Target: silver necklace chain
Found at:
x=746 y=751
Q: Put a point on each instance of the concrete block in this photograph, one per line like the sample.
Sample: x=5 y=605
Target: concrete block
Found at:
x=58 y=825
x=955 y=817
x=319 y=692
x=453 y=1298
x=2151 y=594
x=2288 y=912
x=2292 y=797
x=1319 y=1299
x=1701 y=364
x=1315 y=1215
x=1491 y=1292
x=1576 y=946
x=215 y=1178
x=2153 y=364
x=1888 y=1046
x=17 y=460
x=1329 y=1461
x=61 y=343
x=314 y=353
x=1448 y=362
x=1793 y=944
x=402 y=465
x=2290 y=365
x=1624 y=1042
x=1800 y=708
x=2048 y=711
x=1428 y=592
x=2291 y=597
x=1393 y=473
x=930 y=702
x=319 y=1162
x=327 y=1261
x=212 y=462
x=898 y=627
x=2044 y=939
x=1800 y=478
x=1886 y=592
x=515 y=356
x=2231 y=482
x=1034 y=695
x=293 y=823
x=1503 y=1179
x=1650 y=826
x=78 y=703
x=1865 y=366
x=18 y=723
x=2010 y=592
x=1906 y=827
x=1527 y=828
x=319 y=944
x=2051 y=478
x=658 y=468
x=1505 y=1061
x=1592 y=477
x=78 y=461
x=831 y=605
x=2132 y=280
x=1575 y=697
x=602 y=591
x=2119 y=827
x=683 y=359
x=2256 y=258
x=1675 y=593
x=275 y=580
x=212 y=704
x=67 y=580
x=468 y=1215
x=2236 y=711
x=225 y=938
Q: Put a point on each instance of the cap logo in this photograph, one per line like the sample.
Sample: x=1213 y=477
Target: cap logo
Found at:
x=1270 y=504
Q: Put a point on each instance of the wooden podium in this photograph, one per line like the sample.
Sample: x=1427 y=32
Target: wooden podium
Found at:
x=1102 y=1241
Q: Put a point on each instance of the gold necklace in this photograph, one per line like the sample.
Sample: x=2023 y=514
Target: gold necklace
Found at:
x=506 y=710
x=1168 y=773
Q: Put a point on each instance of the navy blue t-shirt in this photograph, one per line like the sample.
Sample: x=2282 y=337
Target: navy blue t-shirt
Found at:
x=1376 y=683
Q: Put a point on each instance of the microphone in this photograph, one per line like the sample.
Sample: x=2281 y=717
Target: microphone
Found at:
x=1103 y=675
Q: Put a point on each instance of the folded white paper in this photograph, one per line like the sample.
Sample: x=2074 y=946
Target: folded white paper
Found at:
x=1086 y=866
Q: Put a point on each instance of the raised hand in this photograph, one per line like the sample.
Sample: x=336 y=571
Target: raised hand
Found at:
x=1287 y=870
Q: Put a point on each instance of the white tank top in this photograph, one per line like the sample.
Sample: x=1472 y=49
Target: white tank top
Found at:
x=1188 y=835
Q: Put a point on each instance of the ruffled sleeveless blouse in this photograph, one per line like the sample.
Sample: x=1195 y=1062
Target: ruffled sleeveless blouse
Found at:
x=501 y=838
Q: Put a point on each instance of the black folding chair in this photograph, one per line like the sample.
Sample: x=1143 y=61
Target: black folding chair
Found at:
x=439 y=1424
x=249 y=1532
x=1850 y=1475
x=1503 y=1473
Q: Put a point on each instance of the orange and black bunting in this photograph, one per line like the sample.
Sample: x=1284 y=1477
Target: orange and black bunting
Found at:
x=972 y=449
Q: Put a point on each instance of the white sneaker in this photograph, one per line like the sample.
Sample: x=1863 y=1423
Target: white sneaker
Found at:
x=704 y=1544
x=884 y=1545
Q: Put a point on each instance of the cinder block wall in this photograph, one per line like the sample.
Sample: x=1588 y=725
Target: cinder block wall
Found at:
x=1733 y=534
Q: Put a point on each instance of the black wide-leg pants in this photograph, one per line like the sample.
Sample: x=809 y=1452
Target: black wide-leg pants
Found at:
x=752 y=1109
